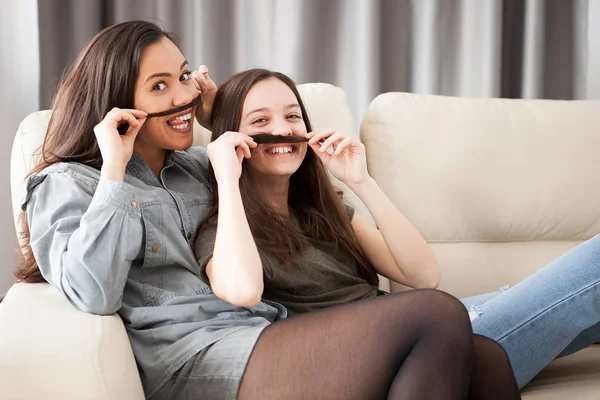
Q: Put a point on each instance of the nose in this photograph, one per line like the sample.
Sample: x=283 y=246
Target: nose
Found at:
x=281 y=127
x=182 y=97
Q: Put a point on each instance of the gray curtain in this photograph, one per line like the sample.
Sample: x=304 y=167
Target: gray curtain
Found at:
x=475 y=48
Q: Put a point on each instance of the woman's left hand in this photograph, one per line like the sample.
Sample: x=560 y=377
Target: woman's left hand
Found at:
x=347 y=162
x=208 y=91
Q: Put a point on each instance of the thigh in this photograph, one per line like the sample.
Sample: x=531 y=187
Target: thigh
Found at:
x=353 y=351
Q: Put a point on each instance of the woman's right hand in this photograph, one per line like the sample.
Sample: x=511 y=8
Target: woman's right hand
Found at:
x=226 y=155
x=117 y=149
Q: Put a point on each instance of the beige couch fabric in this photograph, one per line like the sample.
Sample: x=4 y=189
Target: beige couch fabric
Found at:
x=499 y=188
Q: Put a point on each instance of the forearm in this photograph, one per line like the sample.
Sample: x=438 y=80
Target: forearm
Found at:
x=237 y=274
x=411 y=253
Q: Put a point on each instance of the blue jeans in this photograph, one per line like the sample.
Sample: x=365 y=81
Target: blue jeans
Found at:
x=553 y=313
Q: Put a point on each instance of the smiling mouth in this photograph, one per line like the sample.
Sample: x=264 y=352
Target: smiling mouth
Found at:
x=180 y=122
x=281 y=150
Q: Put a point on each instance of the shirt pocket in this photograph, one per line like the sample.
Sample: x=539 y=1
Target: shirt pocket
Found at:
x=154 y=250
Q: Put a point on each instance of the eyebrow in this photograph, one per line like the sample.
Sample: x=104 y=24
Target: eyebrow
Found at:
x=166 y=74
x=263 y=109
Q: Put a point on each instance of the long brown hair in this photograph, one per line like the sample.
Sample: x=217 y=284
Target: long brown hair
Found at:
x=312 y=199
x=102 y=77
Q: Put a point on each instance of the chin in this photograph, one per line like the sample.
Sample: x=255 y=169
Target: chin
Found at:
x=181 y=144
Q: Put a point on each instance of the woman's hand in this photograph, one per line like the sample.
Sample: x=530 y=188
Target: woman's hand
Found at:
x=347 y=162
x=208 y=91
x=227 y=153
x=117 y=149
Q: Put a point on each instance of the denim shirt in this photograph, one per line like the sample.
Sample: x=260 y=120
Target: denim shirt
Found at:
x=127 y=248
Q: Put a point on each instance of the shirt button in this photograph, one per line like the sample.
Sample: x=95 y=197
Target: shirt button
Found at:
x=133 y=204
x=155 y=248
x=189 y=235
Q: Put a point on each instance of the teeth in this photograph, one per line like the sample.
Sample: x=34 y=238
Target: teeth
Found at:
x=185 y=117
x=182 y=127
x=280 y=150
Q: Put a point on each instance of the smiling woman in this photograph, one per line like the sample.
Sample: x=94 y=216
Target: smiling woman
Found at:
x=283 y=236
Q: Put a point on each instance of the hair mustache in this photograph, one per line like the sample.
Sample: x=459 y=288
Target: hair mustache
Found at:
x=177 y=109
x=265 y=138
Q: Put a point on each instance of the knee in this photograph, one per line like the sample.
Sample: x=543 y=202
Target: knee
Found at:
x=444 y=307
x=439 y=312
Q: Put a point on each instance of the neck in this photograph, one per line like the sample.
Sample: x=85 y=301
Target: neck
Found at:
x=155 y=158
x=276 y=191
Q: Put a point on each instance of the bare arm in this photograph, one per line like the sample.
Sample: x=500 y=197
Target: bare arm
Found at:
x=396 y=250
x=235 y=270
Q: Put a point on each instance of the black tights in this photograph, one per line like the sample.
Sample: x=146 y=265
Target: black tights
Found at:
x=411 y=345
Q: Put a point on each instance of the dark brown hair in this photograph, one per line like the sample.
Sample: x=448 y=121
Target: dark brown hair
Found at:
x=102 y=77
x=312 y=199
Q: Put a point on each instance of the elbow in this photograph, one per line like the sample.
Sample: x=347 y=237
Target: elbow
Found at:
x=100 y=309
x=99 y=305
x=246 y=297
x=431 y=280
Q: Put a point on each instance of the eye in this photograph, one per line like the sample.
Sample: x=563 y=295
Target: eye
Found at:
x=186 y=76
x=259 y=120
x=294 y=116
x=159 y=86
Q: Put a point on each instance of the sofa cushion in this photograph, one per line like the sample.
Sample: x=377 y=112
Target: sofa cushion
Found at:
x=488 y=169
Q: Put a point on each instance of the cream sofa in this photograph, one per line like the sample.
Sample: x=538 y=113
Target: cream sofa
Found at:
x=498 y=187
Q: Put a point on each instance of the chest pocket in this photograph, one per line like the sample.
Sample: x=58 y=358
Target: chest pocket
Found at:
x=155 y=251
x=170 y=272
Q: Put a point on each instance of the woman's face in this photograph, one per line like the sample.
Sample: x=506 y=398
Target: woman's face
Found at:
x=271 y=107
x=165 y=82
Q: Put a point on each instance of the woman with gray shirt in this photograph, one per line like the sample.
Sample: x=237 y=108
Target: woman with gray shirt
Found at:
x=110 y=220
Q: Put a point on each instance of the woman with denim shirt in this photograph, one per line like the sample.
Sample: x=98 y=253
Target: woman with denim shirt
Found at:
x=110 y=219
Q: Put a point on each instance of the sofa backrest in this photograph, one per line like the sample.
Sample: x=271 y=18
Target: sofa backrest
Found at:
x=499 y=187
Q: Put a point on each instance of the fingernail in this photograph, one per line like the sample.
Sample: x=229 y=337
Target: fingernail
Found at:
x=203 y=68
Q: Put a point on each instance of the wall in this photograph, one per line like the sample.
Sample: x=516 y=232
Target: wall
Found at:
x=19 y=70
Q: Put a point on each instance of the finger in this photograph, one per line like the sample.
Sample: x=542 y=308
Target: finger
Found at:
x=241 y=139
x=246 y=138
x=132 y=132
x=246 y=150
x=204 y=71
x=331 y=140
x=240 y=154
x=318 y=136
x=342 y=145
x=132 y=111
x=125 y=116
x=323 y=156
x=201 y=79
x=197 y=76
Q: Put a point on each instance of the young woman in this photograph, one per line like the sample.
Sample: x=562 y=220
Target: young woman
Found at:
x=283 y=234
x=110 y=219
x=315 y=254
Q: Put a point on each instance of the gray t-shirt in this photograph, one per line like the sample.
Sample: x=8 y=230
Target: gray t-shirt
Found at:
x=323 y=277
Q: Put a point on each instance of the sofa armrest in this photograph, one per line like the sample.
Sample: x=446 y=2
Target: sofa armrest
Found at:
x=50 y=350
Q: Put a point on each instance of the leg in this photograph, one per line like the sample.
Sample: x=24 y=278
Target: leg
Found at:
x=538 y=318
x=584 y=339
x=408 y=345
x=492 y=377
